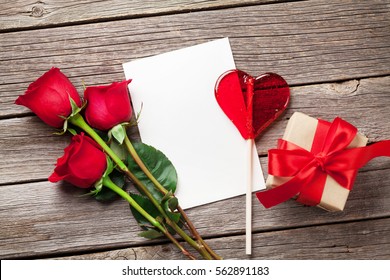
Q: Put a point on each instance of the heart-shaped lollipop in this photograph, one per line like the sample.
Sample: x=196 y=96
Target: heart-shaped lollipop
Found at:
x=251 y=103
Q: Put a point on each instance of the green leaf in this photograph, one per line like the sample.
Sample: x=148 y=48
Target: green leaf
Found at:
x=119 y=150
x=139 y=113
x=99 y=185
x=75 y=108
x=151 y=234
x=102 y=134
x=167 y=196
x=72 y=131
x=173 y=203
x=106 y=194
x=110 y=167
x=158 y=164
x=118 y=178
x=148 y=206
x=119 y=133
x=83 y=83
x=174 y=216
x=64 y=127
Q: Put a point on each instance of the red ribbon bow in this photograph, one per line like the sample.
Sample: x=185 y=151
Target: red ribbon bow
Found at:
x=328 y=156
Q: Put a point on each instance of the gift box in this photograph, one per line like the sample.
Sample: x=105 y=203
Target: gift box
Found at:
x=321 y=184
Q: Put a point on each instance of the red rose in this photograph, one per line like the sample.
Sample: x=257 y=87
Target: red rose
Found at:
x=83 y=163
x=108 y=106
x=48 y=97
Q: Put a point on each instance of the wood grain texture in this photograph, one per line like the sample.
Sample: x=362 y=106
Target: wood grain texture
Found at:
x=21 y=14
x=335 y=55
x=28 y=150
x=45 y=219
x=305 y=42
x=348 y=241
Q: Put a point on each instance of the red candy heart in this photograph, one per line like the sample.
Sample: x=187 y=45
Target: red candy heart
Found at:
x=251 y=103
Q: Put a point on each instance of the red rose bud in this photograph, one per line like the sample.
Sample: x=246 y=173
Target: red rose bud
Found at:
x=83 y=163
x=108 y=106
x=48 y=97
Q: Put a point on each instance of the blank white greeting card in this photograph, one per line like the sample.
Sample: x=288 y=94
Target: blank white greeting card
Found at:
x=181 y=117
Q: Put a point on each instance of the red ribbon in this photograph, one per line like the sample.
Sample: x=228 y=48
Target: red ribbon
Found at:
x=328 y=156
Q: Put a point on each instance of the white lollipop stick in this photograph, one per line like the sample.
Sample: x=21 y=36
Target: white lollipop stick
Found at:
x=250 y=143
x=248 y=213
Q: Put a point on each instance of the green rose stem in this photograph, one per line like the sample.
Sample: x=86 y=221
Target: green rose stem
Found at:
x=79 y=121
x=111 y=185
x=161 y=188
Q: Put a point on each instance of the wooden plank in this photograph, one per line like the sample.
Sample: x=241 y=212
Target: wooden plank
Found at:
x=359 y=102
x=20 y=15
x=56 y=209
x=306 y=42
x=44 y=219
x=350 y=241
x=310 y=45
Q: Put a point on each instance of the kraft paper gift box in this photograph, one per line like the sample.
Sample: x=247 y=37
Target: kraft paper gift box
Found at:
x=301 y=130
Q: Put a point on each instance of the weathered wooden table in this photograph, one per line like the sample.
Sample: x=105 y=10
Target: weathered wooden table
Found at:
x=334 y=54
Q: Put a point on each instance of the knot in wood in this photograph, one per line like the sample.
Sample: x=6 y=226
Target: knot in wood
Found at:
x=37 y=11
